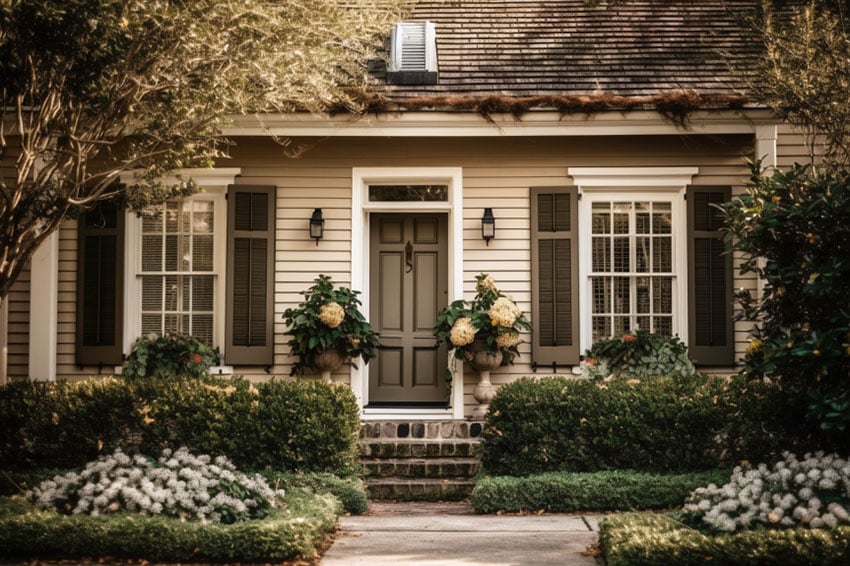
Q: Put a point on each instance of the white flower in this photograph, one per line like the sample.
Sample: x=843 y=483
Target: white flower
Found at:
x=463 y=332
x=504 y=312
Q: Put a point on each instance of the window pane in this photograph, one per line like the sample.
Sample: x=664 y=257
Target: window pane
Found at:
x=622 y=325
x=643 y=323
x=642 y=254
x=397 y=193
x=172 y=214
x=642 y=218
x=151 y=323
x=601 y=254
x=601 y=218
x=661 y=218
x=621 y=217
x=202 y=327
x=663 y=325
x=152 y=293
x=622 y=295
x=202 y=293
x=202 y=217
x=662 y=295
x=601 y=328
x=601 y=294
x=642 y=296
x=662 y=254
x=172 y=293
x=151 y=253
x=171 y=253
x=202 y=253
x=152 y=222
x=621 y=255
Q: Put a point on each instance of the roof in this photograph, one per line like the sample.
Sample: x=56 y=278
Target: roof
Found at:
x=543 y=51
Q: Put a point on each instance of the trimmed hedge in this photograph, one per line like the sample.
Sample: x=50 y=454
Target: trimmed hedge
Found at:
x=289 y=534
x=636 y=539
x=597 y=491
x=279 y=425
x=653 y=424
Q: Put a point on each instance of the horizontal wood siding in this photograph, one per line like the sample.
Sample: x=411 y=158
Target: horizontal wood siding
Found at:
x=19 y=328
x=497 y=173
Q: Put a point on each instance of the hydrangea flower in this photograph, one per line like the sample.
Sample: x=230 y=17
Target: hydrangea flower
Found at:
x=331 y=314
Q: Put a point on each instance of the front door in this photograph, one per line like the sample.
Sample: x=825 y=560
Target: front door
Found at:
x=408 y=285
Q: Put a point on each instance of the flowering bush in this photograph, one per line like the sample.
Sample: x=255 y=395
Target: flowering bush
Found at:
x=638 y=354
x=170 y=355
x=328 y=319
x=490 y=318
x=813 y=492
x=178 y=484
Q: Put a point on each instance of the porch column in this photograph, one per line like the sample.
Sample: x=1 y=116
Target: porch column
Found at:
x=766 y=136
x=44 y=304
x=4 y=341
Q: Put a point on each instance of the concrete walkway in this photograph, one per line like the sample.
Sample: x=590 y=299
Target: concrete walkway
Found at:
x=450 y=534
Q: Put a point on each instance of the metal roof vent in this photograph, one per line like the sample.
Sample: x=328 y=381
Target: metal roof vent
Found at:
x=413 y=56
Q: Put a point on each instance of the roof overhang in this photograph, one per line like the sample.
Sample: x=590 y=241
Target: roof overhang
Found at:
x=473 y=124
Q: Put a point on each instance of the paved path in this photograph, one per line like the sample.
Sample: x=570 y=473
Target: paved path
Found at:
x=450 y=534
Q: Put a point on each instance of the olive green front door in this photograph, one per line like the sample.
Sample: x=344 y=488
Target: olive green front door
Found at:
x=408 y=285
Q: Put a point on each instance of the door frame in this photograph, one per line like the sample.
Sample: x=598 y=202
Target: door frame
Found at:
x=361 y=209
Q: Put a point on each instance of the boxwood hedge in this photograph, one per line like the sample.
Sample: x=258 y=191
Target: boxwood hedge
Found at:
x=280 y=425
x=654 y=424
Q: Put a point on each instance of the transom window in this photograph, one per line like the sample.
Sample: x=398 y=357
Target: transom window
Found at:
x=400 y=193
x=178 y=268
x=632 y=273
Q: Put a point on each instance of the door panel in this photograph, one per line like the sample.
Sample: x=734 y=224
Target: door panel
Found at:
x=409 y=284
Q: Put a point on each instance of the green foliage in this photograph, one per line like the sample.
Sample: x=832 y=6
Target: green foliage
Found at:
x=350 y=491
x=170 y=355
x=288 y=534
x=636 y=539
x=314 y=331
x=281 y=425
x=793 y=228
x=565 y=492
x=659 y=425
x=639 y=354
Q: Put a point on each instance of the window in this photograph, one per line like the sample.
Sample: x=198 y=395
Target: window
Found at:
x=178 y=268
x=632 y=275
x=413 y=56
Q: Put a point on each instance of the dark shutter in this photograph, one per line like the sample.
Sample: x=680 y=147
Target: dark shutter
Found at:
x=710 y=336
x=554 y=276
x=250 y=276
x=100 y=286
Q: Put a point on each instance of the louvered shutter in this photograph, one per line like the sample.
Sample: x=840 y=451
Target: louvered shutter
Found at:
x=100 y=291
x=554 y=266
x=710 y=333
x=250 y=275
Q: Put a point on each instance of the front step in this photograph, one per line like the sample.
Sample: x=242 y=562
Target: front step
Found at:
x=420 y=460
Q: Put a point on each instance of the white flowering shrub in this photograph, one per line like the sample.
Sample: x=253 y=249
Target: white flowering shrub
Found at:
x=813 y=492
x=178 y=484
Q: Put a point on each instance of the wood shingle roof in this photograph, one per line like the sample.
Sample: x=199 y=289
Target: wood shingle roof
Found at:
x=568 y=48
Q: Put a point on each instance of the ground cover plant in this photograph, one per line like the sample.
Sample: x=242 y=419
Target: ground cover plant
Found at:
x=617 y=490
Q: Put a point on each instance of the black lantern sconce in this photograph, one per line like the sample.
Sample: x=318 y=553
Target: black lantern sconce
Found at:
x=488 y=225
x=317 y=225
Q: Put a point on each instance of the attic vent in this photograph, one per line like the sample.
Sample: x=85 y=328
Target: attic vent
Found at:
x=414 y=54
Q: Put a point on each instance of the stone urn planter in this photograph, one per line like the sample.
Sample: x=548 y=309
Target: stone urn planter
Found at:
x=327 y=362
x=483 y=361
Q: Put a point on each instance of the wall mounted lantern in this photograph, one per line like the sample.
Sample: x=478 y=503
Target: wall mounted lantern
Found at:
x=488 y=225
x=317 y=225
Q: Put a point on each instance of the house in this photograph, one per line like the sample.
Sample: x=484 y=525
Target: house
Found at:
x=596 y=136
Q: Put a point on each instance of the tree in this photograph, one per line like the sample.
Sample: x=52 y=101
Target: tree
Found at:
x=804 y=76
x=91 y=89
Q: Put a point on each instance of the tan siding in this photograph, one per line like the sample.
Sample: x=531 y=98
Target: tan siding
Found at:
x=497 y=173
x=792 y=146
x=19 y=330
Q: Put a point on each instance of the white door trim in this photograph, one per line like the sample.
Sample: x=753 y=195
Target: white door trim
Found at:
x=360 y=209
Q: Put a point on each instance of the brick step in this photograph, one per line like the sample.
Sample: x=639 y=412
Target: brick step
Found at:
x=407 y=489
x=422 y=468
x=419 y=448
x=420 y=429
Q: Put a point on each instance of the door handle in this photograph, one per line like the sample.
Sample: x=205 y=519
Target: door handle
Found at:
x=408 y=257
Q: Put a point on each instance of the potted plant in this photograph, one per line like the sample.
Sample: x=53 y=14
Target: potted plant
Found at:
x=484 y=332
x=328 y=329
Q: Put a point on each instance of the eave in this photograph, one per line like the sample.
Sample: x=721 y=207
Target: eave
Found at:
x=472 y=124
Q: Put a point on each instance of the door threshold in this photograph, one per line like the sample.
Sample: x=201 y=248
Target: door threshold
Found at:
x=412 y=413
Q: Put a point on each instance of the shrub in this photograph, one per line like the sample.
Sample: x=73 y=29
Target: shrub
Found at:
x=350 y=491
x=814 y=492
x=634 y=539
x=793 y=228
x=658 y=424
x=170 y=355
x=639 y=354
x=595 y=491
x=279 y=425
x=292 y=532
x=178 y=484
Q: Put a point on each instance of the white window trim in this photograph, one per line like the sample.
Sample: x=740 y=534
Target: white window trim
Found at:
x=361 y=208
x=607 y=184
x=214 y=183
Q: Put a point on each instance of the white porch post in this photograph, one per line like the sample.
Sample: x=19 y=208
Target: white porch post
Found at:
x=766 y=151
x=44 y=304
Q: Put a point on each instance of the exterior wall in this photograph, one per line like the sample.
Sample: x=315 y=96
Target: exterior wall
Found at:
x=19 y=330
x=497 y=173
